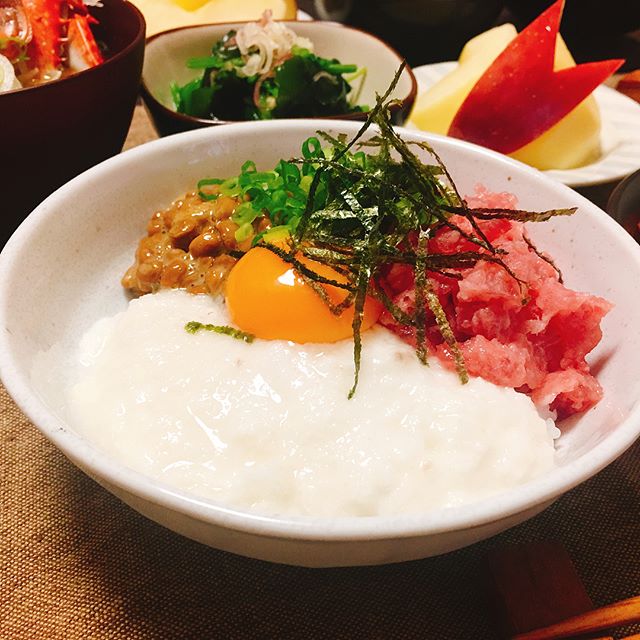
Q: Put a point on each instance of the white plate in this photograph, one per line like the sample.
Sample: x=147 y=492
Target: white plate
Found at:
x=620 y=132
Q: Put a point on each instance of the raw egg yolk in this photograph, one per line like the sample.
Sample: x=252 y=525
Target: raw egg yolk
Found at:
x=266 y=297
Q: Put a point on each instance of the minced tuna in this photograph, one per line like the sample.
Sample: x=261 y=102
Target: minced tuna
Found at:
x=536 y=343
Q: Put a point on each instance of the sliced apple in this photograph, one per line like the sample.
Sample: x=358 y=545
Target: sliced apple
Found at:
x=573 y=141
x=487 y=45
x=168 y=14
x=520 y=95
x=434 y=109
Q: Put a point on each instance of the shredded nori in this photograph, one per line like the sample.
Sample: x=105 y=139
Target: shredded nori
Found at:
x=362 y=213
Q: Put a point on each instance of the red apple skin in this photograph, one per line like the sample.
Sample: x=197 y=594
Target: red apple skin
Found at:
x=520 y=96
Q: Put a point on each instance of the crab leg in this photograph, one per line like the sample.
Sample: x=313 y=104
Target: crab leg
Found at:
x=82 y=49
x=62 y=37
x=44 y=50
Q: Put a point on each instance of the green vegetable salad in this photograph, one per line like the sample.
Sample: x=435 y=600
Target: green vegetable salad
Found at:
x=264 y=70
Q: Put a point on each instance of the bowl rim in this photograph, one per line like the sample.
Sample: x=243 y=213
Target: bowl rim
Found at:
x=613 y=202
x=407 y=101
x=115 y=475
x=73 y=77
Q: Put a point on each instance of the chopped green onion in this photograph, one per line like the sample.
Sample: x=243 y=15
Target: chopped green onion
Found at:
x=244 y=232
x=207 y=182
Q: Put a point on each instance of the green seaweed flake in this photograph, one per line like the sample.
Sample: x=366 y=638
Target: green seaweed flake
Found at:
x=193 y=327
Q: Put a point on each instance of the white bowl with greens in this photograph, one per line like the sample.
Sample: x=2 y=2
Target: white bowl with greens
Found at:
x=199 y=76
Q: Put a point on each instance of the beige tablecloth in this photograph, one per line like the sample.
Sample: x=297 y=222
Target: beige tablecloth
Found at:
x=75 y=563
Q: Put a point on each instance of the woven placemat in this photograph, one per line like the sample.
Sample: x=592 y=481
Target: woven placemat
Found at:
x=77 y=564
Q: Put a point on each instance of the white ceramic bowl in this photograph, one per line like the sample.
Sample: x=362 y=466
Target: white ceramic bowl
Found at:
x=62 y=268
x=167 y=52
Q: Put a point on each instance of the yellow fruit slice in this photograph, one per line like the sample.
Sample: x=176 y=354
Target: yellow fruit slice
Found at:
x=191 y=5
x=434 y=110
x=572 y=142
x=488 y=44
x=168 y=14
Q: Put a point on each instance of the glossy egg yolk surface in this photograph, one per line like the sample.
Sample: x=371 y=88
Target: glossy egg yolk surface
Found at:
x=266 y=297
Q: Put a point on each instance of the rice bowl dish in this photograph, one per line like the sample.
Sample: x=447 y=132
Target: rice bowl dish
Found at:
x=583 y=447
